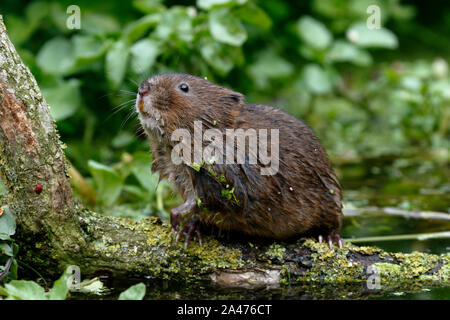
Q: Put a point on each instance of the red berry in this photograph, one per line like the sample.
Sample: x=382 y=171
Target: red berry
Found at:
x=38 y=188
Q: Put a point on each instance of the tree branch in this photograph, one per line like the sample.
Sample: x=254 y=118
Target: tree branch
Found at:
x=54 y=231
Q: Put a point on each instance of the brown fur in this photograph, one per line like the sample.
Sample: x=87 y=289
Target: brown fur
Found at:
x=303 y=198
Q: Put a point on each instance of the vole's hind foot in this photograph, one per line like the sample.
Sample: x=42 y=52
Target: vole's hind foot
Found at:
x=332 y=239
x=189 y=229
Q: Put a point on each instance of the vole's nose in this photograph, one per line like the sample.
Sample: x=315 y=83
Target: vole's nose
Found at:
x=144 y=88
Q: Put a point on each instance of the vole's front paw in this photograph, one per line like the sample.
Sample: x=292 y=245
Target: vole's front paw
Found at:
x=182 y=212
x=184 y=222
x=189 y=229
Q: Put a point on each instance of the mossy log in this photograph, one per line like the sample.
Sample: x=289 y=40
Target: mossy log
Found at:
x=54 y=231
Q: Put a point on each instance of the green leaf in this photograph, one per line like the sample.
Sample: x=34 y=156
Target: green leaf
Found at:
x=175 y=25
x=36 y=11
x=316 y=79
x=56 y=56
x=12 y=274
x=7 y=224
x=148 y=6
x=208 y=4
x=144 y=54
x=25 y=290
x=64 y=99
x=99 y=24
x=136 y=292
x=220 y=57
x=19 y=30
x=116 y=63
x=362 y=36
x=342 y=51
x=269 y=65
x=3 y=292
x=108 y=182
x=58 y=16
x=137 y=29
x=6 y=249
x=254 y=15
x=141 y=169
x=88 y=48
x=60 y=289
x=314 y=33
x=122 y=139
x=226 y=28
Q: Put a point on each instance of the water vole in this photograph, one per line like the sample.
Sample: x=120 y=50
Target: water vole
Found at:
x=300 y=197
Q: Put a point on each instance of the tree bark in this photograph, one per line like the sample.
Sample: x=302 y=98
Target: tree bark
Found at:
x=54 y=231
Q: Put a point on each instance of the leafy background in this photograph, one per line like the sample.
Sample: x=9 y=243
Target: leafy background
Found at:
x=370 y=95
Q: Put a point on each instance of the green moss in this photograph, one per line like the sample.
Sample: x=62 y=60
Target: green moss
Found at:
x=229 y=194
x=197 y=166
x=331 y=265
x=444 y=272
x=199 y=201
x=222 y=178
x=275 y=251
x=212 y=253
x=387 y=270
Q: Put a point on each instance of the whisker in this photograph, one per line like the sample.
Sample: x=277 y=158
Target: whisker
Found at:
x=120 y=107
x=135 y=83
x=126 y=92
x=130 y=116
x=124 y=103
x=140 y=131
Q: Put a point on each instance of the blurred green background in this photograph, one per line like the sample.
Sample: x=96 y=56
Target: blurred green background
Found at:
x=374 y=97
x=379 y=100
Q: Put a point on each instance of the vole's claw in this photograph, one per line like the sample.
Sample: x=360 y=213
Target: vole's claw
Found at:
x=332 y=239
x=189 y=229
x=180 y=233
x=199 y=236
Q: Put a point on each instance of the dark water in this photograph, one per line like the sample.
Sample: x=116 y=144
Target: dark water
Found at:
x=408 y=185
x=404 y=184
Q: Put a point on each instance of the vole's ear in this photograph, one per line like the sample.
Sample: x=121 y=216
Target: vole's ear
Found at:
x=237 y=97
x=233 y=97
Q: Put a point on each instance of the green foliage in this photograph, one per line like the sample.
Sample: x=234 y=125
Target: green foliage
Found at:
x=136 y=292
x=356 y=87
x=108 y=182
x=314 y=33
x=7 y=224
x=128 y=188
x=8 y=248
x=360 y=35
x=30 y=290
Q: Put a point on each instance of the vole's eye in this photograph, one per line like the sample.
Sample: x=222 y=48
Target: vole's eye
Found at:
x=184 y=87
